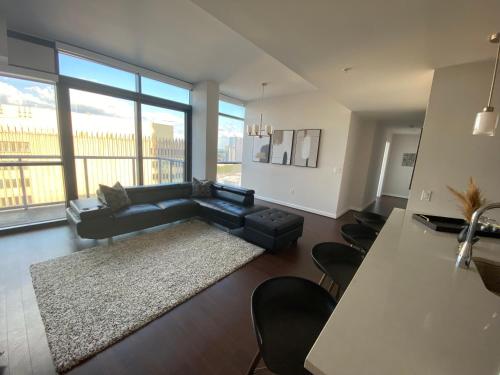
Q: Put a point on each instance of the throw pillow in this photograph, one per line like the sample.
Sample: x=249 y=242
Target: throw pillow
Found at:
x=114 y=197
x=202 y=188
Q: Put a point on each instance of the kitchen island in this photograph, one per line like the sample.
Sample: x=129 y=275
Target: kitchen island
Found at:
x=408 y=310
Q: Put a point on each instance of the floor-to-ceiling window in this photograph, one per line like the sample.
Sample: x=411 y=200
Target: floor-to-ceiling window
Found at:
x=126 y=128
x=230 y=142
x=104 y=141
x=31 y=176
x=163 y=144
x=100 y=123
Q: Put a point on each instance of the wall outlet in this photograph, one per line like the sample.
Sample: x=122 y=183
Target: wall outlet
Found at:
x=426 y=195
x=292 y=191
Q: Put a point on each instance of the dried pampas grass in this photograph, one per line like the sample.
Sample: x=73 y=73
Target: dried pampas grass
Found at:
x=470 y=200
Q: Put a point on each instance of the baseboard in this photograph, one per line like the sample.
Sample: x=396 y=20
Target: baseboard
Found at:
x=396 y=195
x=353 y=208
x=343 y=212
x=362 y=208
x=33 y=226
x=298 y=207
x=313 y=210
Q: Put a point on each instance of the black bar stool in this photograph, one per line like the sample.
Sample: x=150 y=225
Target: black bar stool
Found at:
x=337 y=261
x=288 y=314
x=359 y=236
x=371 y=220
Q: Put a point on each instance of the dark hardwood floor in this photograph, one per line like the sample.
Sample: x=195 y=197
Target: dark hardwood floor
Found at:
x=385 y=204
x=209 y=334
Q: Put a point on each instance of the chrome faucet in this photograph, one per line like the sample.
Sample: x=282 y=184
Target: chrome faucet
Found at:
x=465 y=254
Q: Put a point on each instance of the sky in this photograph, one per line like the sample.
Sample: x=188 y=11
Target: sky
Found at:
x=92 y=112
x=105 y=113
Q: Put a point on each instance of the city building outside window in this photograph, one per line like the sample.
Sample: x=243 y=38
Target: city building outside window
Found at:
x=230 y=143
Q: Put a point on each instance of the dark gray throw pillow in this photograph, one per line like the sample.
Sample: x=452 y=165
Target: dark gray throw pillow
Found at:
x=114 y=197
x=202 y=188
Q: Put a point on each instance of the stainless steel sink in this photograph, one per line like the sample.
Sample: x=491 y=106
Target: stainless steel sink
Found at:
x=490 y=273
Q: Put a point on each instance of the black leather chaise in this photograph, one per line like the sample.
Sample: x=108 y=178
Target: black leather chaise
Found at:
x=228 y=205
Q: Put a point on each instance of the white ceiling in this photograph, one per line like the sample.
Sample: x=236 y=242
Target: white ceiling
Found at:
x=391 y=45
x=173 y=37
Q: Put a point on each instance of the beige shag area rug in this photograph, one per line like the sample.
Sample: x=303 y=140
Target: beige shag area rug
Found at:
x=93 y=298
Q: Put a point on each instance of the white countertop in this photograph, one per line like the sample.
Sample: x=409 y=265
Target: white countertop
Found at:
x=409 y=311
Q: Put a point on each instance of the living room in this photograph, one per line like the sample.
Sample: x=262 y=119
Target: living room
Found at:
x=232 y=187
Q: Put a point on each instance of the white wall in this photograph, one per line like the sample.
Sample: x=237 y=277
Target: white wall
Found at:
x=313 y=189
x=353 y=192
x=448 y=153
x=383 y=133
x=376 y=159
x=397 y=177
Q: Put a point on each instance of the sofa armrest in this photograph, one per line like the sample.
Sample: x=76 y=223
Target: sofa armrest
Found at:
x=89 y=208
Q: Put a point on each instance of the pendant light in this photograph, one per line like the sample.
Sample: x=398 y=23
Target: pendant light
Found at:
x=487 y=120
x=260 y=130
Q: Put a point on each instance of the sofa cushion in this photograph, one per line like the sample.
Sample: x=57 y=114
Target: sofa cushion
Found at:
x=158 y=193
x=273 y=221
x=176 y=203
x=225 y=210
x=179 y=208
x=138 y=210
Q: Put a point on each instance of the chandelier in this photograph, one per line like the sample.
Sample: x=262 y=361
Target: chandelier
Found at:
x=260 y=130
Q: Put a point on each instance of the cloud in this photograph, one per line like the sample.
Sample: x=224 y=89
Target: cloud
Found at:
x=91 y=112
x=158 y=115
x=45 y=93
x=230 y=127
x=101 y=105
x=90 y=103
x=36 y=96
x=31 y=94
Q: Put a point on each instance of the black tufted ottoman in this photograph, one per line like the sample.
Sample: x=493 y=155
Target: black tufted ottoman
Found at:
x=272 y=228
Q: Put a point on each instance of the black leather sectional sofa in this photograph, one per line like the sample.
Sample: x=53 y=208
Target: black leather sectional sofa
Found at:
x=160 y=204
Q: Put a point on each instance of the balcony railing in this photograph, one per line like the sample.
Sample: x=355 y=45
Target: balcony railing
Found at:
x=107 y=170
x=229 y=172
x=25 y=189
x=169 y=170
x=20 y=173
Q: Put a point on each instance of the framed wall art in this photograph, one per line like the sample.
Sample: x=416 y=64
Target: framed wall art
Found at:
x=260 y=151
x=282 y=143
x=409 y=159
x=306 y=148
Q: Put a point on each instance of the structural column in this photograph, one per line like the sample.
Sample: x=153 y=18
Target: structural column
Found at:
x=205 y=101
